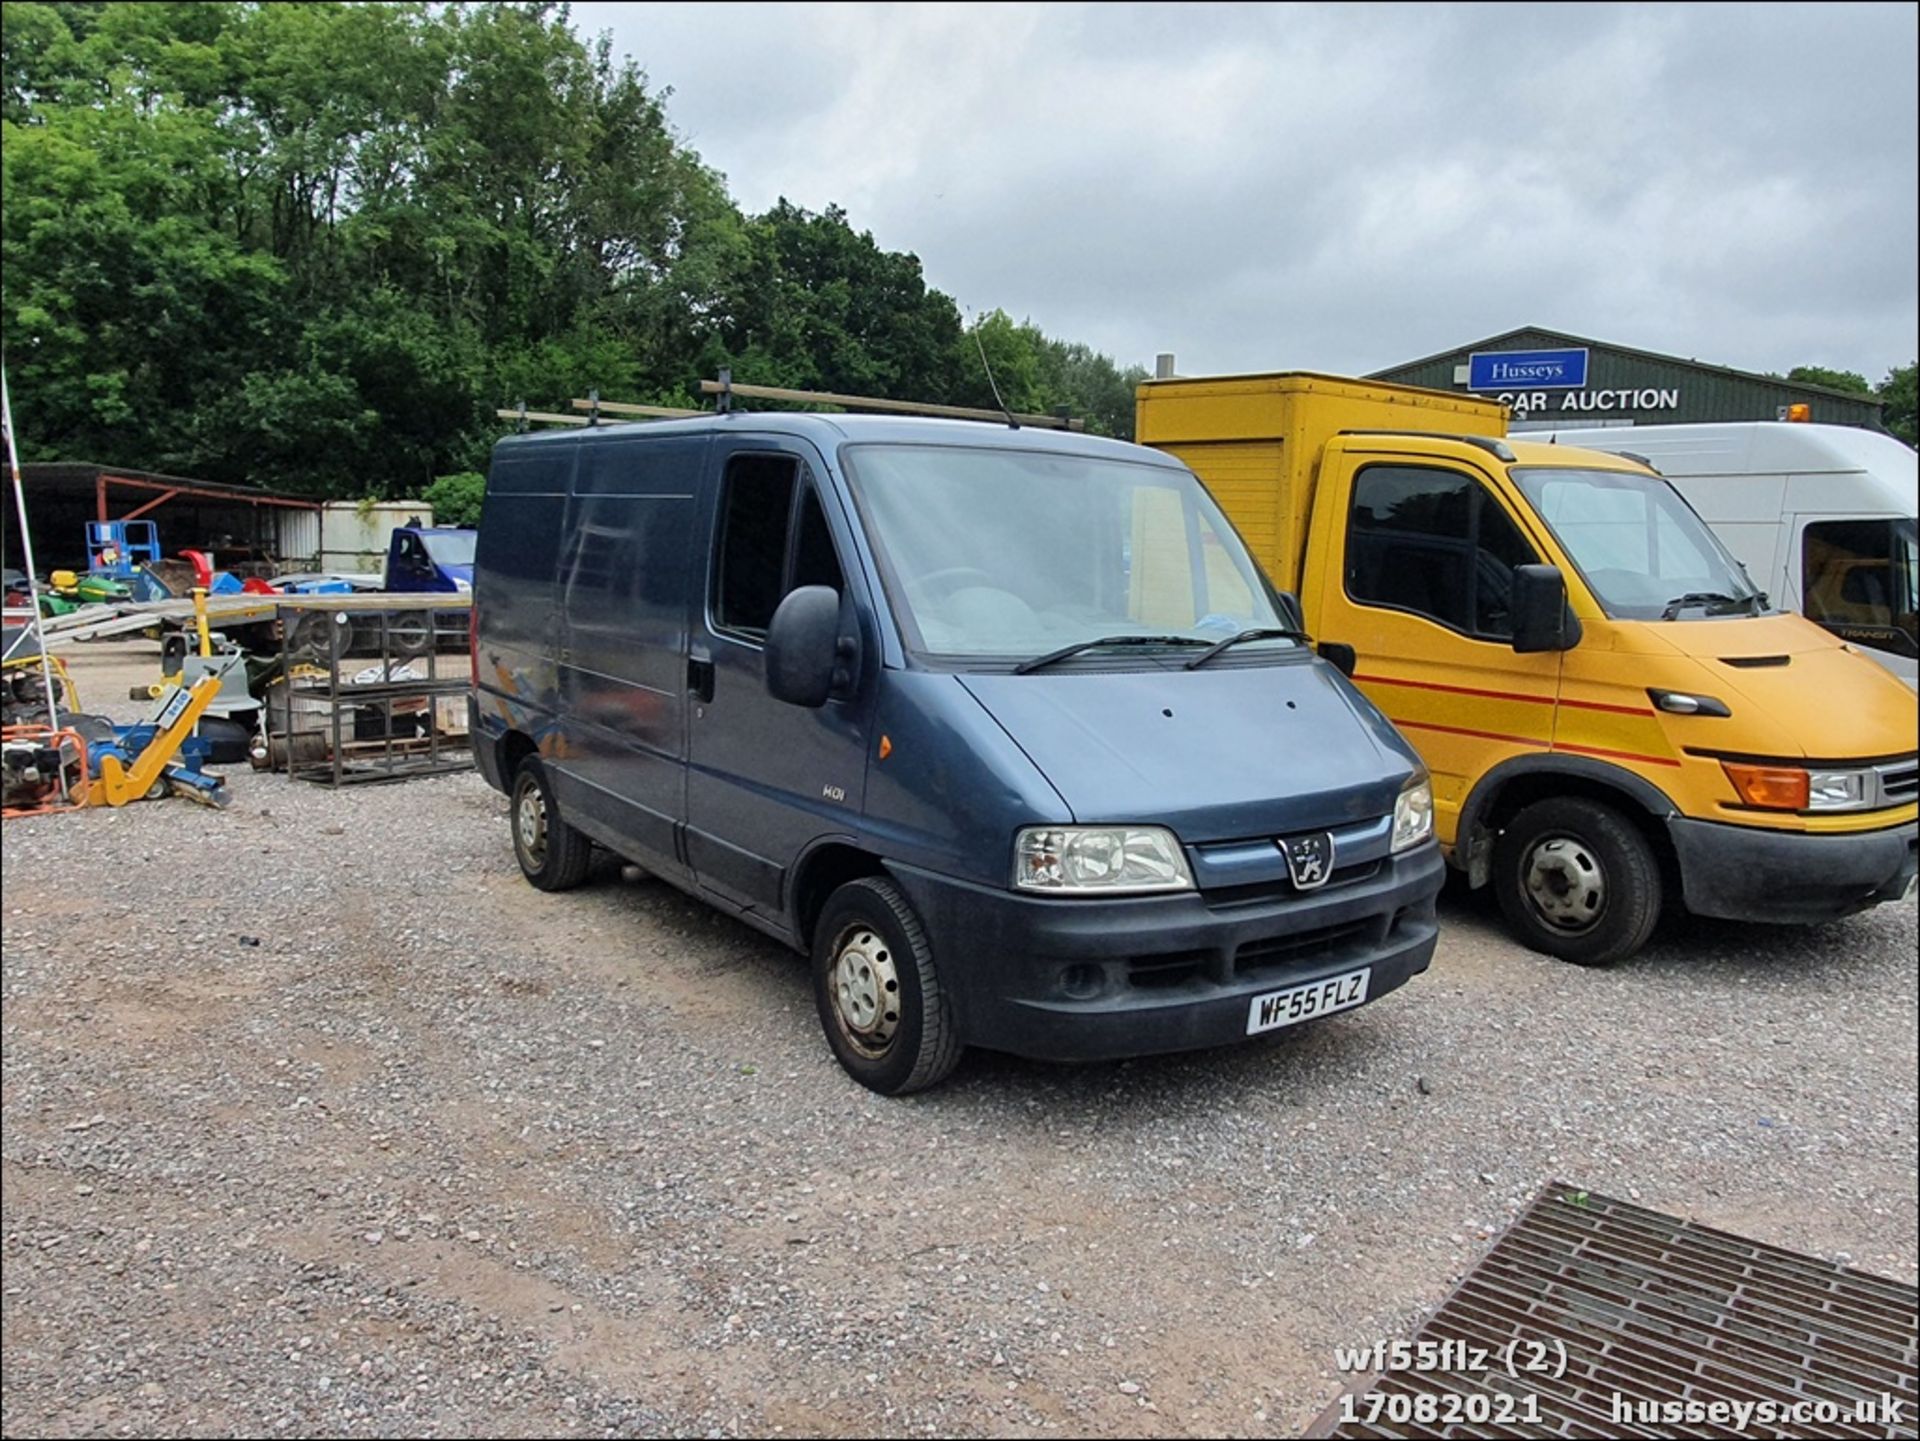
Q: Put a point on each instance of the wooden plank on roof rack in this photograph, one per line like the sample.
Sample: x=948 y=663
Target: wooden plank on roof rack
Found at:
x=548 y=416
x=869 y=402
x=617 y=407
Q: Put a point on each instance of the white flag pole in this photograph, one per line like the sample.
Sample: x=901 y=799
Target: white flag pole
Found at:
x=26 y=545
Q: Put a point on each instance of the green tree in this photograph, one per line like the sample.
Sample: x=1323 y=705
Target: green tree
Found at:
x=1897 y=393
x=1092 y=387
x=314 y=245
x=812 y=303
x=1831 y=379
x=456 y=498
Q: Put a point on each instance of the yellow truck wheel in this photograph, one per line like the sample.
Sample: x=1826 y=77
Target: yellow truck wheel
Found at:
x=1577 y=880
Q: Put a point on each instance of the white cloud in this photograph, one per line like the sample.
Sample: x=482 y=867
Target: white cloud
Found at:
x=1341 y=187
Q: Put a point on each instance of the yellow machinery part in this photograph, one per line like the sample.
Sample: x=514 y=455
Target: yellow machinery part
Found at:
x=120 y=784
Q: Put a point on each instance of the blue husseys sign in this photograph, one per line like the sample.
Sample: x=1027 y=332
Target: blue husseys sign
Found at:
x=1527 y=369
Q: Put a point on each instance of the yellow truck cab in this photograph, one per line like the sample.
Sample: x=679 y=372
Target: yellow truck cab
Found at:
x=1615 y=717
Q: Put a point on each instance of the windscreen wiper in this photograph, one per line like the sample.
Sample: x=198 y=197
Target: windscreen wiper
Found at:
x=1704 y=598
x=1066 y=650
x=1258 y=633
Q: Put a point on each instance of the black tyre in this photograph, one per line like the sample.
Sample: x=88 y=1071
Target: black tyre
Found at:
x=1577 y=880
x=552 y=854
x=410 y=632
x=311 y=635
x=878 y=993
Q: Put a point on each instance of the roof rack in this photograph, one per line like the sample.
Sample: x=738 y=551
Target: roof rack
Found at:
x=725 y=391
x=1493 y=446
x=524 y=417
x=725 y=388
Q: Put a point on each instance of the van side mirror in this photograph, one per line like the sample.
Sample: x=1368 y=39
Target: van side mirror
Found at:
x=806 y=654
x=1341 y=656
x=1541 y=618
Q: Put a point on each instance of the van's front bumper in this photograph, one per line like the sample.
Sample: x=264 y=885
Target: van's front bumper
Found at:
x=1744 y=874
x=1084 y=980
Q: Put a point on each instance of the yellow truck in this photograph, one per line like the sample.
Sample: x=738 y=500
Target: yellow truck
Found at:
x=1615 y=717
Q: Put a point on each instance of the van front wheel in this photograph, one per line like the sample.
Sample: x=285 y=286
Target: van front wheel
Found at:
x=878 y=994
x=552 y=854
x=1577 y=880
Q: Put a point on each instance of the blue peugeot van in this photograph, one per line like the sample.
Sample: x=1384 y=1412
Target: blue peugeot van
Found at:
x=1003 y=727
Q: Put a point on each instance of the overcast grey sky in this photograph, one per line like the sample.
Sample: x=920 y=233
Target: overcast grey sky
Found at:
x=1341 y=187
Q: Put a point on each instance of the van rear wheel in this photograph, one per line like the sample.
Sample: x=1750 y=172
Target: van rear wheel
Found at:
x=1577 y=880
x=878 y=992
x=552 y=854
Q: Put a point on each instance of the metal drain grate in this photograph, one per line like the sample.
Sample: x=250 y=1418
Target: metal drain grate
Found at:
x=1606 y=1309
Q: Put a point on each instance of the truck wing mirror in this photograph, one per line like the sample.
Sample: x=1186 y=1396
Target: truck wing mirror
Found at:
x=807 y=657
x=1340 y=656
x=1542 y=620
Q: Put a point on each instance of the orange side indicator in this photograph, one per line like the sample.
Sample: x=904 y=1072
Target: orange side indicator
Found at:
x=1773 y=788
x=886 y=746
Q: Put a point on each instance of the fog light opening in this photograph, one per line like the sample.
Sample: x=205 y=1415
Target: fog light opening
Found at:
x=1082 y=980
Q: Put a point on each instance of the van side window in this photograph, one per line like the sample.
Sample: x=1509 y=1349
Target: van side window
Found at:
x=814 y=561
x=1435 y=543
x=1859 y=579
x=755 y=504
x=756 y=524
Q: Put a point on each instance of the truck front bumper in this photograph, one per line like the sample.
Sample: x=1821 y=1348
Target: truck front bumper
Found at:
x=1742 y=874
x=1083 y=980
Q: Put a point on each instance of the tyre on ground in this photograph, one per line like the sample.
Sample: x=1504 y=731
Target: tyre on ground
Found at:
x=878 y=991
x=552 y=854
x=1577 y=879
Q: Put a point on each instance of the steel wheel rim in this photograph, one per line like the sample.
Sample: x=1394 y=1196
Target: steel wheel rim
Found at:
x=863 y=984
x=1565 y=883
x=530 y=824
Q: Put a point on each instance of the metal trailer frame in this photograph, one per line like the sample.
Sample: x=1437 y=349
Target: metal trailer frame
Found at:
x=368 y=693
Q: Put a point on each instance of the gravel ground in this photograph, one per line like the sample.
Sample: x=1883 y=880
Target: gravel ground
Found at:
x=319 y=1119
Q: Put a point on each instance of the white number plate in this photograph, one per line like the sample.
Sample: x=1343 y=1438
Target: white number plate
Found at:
x=1302 y=1003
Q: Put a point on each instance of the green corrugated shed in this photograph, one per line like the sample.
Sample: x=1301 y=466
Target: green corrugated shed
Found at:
x=1620 y=378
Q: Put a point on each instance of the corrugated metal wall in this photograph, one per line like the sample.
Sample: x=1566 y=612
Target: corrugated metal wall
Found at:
x=1706 y=393
x=297 y=538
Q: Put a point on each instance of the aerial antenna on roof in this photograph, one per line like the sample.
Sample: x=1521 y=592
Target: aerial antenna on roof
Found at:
x=993 y=384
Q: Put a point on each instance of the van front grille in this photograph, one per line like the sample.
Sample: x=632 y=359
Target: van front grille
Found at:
x=1279 y=890
x=1899 y=782
x=1305 y=947
x=1175 y=968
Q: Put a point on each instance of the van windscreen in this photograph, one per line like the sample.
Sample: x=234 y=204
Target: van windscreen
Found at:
x=1642 y=551
x=449 y=547
x=1002 y=553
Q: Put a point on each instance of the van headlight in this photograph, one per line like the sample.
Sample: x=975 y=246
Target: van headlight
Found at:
x=1851 y=790
x=1413 y=815
x=1099 y=860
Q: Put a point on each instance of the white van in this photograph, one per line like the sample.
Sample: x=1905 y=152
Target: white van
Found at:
x=1822 y=516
